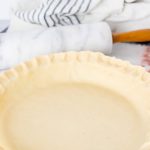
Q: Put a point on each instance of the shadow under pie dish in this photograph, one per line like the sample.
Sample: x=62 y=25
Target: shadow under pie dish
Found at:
x=84 y=101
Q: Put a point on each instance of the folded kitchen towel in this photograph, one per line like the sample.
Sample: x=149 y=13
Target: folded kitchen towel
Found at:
x=67 y=12
x=132 y=11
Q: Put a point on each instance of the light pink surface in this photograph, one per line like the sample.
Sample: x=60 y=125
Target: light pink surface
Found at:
x=134 y=53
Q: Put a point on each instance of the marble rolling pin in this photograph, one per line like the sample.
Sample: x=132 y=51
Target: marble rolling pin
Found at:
x=133 y=36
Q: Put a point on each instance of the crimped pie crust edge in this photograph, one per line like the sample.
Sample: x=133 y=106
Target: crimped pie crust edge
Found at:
x=86 y=57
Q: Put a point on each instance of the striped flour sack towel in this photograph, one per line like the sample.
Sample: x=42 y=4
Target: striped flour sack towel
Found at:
x=58 y=12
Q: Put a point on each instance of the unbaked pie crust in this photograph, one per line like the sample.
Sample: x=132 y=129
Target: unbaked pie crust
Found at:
x=75 y=101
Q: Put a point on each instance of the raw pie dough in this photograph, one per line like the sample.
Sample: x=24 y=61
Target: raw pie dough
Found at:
x=75 y=101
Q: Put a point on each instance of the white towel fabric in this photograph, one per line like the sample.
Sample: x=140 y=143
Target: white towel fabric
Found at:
x=24 y=5
x=3 y=25
x=132 y=11
x=16 y=47
x=68 y=12
x=118 y=27
x=17 y=24
x=58 y=12
x=130 y=1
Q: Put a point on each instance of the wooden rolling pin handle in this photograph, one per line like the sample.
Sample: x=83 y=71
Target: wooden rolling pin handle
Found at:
x=133 y=36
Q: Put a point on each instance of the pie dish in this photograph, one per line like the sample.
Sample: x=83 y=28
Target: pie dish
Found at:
x=84 y=101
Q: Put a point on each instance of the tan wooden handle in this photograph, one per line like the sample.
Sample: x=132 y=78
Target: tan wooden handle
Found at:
x=133 y=36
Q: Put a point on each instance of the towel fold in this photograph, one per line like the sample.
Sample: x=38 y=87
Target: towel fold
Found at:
x=20 y=46
x=132 y=12
x=130 y=1
x=71 y=12
x=58 y=12
x=118 y=27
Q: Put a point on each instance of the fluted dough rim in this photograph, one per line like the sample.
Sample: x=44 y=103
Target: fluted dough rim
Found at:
x=86 y=57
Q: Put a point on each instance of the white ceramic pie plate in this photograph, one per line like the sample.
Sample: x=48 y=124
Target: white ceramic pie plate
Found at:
x=75 y=101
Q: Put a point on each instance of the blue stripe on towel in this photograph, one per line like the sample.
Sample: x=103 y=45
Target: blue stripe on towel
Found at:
x=56 y=12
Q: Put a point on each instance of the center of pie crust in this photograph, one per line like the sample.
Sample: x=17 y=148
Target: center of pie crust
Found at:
x=72 y=117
